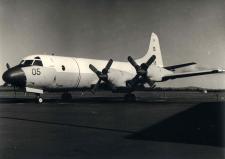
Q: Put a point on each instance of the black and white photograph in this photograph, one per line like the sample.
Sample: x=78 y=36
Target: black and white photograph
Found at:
x=120 y=79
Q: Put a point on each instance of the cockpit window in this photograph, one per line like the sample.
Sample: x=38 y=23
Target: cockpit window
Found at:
x=26 y=63
x=22 y=62
x=37 y=57
x=37 y=63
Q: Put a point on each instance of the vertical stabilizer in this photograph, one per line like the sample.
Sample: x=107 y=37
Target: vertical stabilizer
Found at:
x=154 y=49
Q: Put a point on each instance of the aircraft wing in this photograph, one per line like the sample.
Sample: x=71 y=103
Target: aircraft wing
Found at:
x=189 y=74
x=179 y=66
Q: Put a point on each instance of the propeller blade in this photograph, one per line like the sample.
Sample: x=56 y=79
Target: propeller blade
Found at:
x=93 y=90
x=150 y=83
x=153 y=86
x=111 y=85
x=94 y=69
x=109 y=64
x=133 y=63
x=144 y=66
x=7 y=66
x=150 y=60
x=132 y=83
x=107 y=67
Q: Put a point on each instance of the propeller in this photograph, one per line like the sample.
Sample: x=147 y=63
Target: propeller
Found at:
x=142 y=71
x=102 y=75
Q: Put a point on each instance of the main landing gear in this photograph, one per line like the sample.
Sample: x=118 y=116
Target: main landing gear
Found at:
x=66 y=96
x=39 y=99
x=130 y=97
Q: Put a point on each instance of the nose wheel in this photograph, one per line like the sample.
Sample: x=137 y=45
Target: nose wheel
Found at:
x=39 y=99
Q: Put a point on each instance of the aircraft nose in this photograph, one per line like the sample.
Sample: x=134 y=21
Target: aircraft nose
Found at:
x=15 y=76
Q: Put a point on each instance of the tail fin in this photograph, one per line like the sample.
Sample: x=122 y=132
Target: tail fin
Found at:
x=154 y=49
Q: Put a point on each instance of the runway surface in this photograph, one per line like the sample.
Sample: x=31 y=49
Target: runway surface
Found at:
x=108 y=127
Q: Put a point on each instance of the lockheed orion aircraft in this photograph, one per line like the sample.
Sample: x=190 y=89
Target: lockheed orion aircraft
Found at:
x=40 y=73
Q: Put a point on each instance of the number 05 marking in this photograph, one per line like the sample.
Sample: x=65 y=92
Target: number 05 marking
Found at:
x=36 y=71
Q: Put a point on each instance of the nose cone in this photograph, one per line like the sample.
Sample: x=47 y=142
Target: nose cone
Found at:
x=15 y=76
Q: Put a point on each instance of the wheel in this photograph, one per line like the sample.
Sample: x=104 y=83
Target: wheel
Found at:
x=39 y=100
x=66 y=96
x=130 y=97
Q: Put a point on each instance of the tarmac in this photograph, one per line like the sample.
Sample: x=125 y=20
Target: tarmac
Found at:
x=187 y=125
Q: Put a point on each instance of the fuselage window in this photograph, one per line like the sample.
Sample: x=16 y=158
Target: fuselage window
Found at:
x=63 y=68
x=37 y=63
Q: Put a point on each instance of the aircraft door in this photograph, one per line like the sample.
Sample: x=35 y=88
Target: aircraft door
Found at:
x=67 y=74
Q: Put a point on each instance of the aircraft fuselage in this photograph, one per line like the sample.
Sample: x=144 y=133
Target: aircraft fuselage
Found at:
x=70 y=73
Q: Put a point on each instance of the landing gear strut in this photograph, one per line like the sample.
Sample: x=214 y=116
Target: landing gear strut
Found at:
x=66 y=96
x=39 y=99
x=130 y=97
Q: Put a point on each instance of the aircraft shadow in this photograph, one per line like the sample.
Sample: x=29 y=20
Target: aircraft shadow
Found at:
x=66 y=124
x=78 y=100
x=202 y=125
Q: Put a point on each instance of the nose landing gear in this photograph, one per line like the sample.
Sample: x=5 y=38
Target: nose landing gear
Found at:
x=65 y=97
x=39 y=99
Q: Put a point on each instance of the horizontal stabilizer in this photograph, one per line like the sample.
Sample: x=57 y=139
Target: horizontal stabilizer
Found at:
x=179 y=66
x=189 y=74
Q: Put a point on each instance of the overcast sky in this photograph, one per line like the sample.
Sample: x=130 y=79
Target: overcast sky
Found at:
x=188 y=30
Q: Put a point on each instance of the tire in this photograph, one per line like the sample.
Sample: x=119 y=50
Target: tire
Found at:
x=39 y=100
